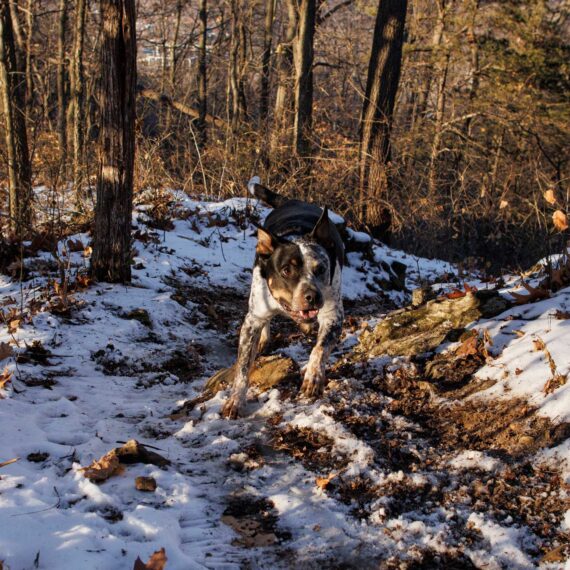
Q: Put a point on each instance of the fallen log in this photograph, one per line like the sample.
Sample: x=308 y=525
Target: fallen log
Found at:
x=413 y=331
x=180 y=107
x=267 y=373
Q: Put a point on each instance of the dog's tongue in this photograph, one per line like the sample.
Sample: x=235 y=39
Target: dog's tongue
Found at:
x=309 y=314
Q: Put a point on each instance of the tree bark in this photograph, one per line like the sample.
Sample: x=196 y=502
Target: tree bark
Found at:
x=202 y=74
x=303 y=58
x=237 y=106
x=283 y=113
x=173 y=60
x=28 y=61
x=19 y=168
x=112 y=238
x=266 y=62
x=377 y=111
x=61 y=92
x=78 y=97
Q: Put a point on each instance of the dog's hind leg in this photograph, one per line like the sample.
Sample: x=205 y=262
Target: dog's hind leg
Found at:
x=248 y=344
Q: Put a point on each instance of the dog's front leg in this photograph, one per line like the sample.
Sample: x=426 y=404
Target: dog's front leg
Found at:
x=330 y=327
x=247 y=350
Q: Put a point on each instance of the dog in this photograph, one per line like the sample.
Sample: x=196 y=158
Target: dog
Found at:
x=297 y=273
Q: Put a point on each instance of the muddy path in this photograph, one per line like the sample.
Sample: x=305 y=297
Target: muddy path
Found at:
x=445 y=456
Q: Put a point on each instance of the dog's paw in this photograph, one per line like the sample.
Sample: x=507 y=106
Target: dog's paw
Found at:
x=313 y=384
x=231 y=410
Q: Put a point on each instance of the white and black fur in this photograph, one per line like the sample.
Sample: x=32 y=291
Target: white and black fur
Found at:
x=296 y=237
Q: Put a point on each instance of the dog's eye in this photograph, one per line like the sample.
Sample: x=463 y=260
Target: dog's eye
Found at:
x=320 y=270
x=286 y=272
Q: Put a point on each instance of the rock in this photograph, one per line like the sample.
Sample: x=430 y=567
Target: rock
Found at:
x=412 y=331
x=147 y=484
x=267 y=373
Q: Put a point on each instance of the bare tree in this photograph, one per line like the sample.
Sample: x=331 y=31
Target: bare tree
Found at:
x=61 y=91
x=266 y=62
x=284 y=63
x=78 y=96
x=202 y=72
x=377 y=111
x=303 y=57
x=113 y=211
x=13 y=89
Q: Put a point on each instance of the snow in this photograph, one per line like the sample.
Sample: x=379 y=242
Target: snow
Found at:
x=111 y=386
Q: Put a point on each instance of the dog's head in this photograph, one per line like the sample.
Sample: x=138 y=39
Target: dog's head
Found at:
x=298 y=272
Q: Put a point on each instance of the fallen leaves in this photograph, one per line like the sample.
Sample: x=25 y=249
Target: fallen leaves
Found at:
x=156 y=562
x=534 y=294
x=323 y=482
x=5 y=350
x=458 y=293
x=559 y=314
x=147 y=484
x=5 y=377
x=112 y=462
x=556 y=380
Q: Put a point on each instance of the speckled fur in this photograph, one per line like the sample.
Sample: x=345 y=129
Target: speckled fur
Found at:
x=263 y=307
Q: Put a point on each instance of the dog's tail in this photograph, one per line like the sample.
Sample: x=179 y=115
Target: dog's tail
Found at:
x=263 y=193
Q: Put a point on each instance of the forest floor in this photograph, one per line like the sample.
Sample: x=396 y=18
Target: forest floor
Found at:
x=386 y=470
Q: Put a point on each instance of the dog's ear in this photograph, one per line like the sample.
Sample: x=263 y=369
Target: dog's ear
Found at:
x=322 y=231
x=266 y=243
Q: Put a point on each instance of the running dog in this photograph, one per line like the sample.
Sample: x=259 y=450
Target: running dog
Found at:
x=297 y=273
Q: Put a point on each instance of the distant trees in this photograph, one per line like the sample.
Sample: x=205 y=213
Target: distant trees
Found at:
x=377 y=114
x=447 y=119
x=112 y=237
x=13 y=104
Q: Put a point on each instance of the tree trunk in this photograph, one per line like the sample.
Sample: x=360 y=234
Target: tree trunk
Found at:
x=377 y=111
x=303 y=58
x=19 y=168
x=78 y=98
x=438 y=126
x=282 y=117
x=112 y=238
x=236 y=91
x=436 y=39
x=266 y=63
x=173 y=61
x=202 y=74
x=28 y=65
x=61 y=94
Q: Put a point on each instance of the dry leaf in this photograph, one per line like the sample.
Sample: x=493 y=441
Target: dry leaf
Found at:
x=75 y=245
x=103 y=468
x=503 y=204
x=550 y=197
x=5 y=350
x=14 y=325
x=83 y=281
x=560 y=220
x=5 y=377
x=469 y=347
x=535 y=294
x=322 y=482
x=87 y=251
x=562 y=315
x=145 y=484
x=156 y=562
x=518 y=332
x=518 y=371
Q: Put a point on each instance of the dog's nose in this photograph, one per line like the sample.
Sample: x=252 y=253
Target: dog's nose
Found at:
x=313 y=297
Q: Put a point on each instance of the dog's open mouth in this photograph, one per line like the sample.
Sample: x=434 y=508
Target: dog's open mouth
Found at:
x=303 y=315
x=307 y=315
